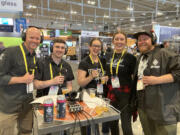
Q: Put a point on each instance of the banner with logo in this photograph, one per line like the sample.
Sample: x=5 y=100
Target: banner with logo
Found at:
x=11 y=5
x=20 y=24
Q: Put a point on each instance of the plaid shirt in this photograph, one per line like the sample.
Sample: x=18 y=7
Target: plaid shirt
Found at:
x=111 y=94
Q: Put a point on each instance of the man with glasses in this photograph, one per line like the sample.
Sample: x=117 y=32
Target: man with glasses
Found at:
x=157 y=84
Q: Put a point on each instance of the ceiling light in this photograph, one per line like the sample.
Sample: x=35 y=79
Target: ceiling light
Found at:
x=91 y=2
x=31 y=6
x=115 y=23
x=132 y=19
x=62 y=18
x=130 y=8
x=90 y=21
x=159 y=13
x=133 y=25
x=153 y=22
x=106 y=16
x=73 y=12
x=143 y=14
x=27 y=14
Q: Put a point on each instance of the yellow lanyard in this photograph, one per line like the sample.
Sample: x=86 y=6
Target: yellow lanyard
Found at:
x=51 y=71
x=25 y=60
x=99 y=63
x=117 y=67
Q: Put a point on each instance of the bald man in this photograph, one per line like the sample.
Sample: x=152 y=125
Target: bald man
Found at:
x=17 y=67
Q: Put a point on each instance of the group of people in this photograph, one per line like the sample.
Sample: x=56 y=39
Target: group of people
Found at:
x=149 y=84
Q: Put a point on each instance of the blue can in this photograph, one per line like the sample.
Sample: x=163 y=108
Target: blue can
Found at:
x=61 y=106
x=48 y=110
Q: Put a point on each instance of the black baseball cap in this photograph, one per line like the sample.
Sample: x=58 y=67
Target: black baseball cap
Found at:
x=143 y=33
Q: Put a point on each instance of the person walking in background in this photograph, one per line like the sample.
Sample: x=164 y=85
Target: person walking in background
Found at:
x=157 y=87
x=17 y=67
x=54 y=73
x=120 y=67
x=91 y=70
x=166 y=44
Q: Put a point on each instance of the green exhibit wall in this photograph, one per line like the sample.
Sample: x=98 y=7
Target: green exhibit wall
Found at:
x=11 y=41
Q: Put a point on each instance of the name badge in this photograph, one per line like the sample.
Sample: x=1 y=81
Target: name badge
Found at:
x=140 y=84
x=115 y=82
x=99 y=88
x=53 y=90
x=30 y=87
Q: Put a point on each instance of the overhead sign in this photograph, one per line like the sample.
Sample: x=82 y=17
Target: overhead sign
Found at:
x=90 y=33
x=11 y=5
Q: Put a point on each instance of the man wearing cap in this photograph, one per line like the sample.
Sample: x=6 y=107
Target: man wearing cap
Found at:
x=157 y=87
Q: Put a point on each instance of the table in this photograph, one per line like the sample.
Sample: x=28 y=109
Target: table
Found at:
x=56 y=126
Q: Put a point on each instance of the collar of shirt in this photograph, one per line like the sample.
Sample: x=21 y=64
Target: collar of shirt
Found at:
x=27 y=52
x=52 y=61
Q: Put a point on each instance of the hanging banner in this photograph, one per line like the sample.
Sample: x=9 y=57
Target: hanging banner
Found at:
x=90 y=33
x=11 y=5
x=20 y=24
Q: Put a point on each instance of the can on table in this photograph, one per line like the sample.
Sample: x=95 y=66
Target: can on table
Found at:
x=48 y=110
x=61 y=106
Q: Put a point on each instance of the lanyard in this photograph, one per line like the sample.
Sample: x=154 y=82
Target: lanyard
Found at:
x=117 y=63
x=51 y=71
x=99 y=63
x=25 y=60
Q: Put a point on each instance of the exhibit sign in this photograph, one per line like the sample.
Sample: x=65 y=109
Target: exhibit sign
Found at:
x=11 y=5
x=90 y=33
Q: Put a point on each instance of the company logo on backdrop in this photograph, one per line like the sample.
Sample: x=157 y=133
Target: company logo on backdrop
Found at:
x=11 y=5
x=8 y=3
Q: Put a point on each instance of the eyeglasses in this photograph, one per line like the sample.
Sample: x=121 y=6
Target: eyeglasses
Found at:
x=96 y=46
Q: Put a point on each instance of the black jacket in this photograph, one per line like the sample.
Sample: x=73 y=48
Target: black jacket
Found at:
x=162 y=101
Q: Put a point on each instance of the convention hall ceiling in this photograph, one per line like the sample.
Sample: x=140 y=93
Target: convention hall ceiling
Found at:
x=102 y=15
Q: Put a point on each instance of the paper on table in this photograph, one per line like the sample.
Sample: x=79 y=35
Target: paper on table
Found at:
x=40 y=100
x=92 y=102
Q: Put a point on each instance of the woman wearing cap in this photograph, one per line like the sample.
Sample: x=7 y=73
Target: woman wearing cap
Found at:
x=120 y=67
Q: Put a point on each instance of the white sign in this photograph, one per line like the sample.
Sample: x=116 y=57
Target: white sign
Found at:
x=90 y=33
x=11 y=5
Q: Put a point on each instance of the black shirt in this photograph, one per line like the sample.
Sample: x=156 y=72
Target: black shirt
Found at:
x=86 y=65
x=126 y=67
x=43 y=73
x=12 y=65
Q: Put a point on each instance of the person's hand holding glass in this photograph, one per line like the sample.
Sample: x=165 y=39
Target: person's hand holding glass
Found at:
x=95 y=73
x=104 y=79
x=58 y=80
